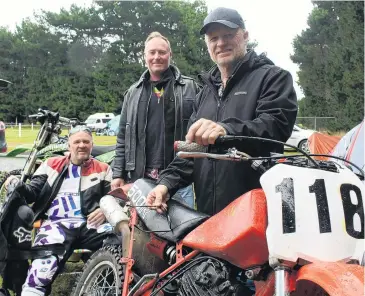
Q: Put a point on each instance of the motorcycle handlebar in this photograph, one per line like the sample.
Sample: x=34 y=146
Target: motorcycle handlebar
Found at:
x=194 y=150
x=43 y=114
x=183 y=146
x=65 y=120
x=54 y=116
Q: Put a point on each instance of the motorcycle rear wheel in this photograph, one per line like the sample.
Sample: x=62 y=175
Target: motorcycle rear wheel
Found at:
x=102 y=274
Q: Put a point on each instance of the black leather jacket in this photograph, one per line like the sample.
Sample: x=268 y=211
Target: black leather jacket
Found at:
x=130 y=156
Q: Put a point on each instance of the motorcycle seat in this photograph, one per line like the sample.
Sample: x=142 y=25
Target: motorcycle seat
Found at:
x=173 y=225
x=98 y=150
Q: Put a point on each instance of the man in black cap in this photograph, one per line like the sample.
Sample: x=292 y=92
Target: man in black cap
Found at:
x=245 y=94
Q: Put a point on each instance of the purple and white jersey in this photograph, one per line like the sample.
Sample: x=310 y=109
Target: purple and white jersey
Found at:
x=67 y=205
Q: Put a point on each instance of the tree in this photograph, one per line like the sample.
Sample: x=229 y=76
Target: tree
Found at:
x=82 y=60
x=330 y=55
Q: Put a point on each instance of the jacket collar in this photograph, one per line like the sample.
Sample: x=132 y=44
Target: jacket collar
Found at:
x=175 y=71
x=86 y=163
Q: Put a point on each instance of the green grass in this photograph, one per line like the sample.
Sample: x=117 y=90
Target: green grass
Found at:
x=28 y=137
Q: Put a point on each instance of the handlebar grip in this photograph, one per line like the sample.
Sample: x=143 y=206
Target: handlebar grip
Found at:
x=188 y=147
x=35 y=115
x=64 y=119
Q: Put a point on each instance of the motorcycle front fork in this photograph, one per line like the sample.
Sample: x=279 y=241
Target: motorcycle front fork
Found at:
x=282 y=281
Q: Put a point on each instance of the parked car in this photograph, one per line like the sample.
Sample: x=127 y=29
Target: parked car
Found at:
x=3 y=145
x=299 y=138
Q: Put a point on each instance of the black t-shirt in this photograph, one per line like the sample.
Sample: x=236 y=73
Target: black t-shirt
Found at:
x=155 y=130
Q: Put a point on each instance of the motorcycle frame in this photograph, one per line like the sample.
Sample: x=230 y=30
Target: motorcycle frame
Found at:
x=128 y=262
x=281 y=280
x=39 y=142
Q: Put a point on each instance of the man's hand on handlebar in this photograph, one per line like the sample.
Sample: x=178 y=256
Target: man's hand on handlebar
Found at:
x=205 y=132
x=157 y=198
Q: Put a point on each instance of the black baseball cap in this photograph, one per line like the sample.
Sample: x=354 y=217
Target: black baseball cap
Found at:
x=225 y=16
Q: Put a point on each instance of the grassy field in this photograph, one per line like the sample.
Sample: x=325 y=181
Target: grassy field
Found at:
x=28 y=136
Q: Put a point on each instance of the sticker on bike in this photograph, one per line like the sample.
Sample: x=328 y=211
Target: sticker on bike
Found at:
x=313 y=214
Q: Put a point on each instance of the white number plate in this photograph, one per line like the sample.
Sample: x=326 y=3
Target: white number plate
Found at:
x=313 y=214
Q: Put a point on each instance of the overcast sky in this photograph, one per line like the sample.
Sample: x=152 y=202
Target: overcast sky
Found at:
x=273 y=24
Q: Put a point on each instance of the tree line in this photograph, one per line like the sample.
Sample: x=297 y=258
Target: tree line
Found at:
x=81 y=60
x=330 y=56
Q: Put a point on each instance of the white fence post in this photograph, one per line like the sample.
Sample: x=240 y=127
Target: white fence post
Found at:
x=20 y=130
x=32 y=125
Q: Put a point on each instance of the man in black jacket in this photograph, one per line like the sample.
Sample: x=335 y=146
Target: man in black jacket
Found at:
x=155 y=113
x=243 y=95
x=65 y=192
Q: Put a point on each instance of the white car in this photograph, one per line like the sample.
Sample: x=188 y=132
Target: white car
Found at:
x=299 y=138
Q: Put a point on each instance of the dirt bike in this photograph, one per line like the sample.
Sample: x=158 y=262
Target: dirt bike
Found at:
x=49 y=142
x=301 y=234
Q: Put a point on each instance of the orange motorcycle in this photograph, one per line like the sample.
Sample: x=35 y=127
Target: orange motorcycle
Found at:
x=301 y=234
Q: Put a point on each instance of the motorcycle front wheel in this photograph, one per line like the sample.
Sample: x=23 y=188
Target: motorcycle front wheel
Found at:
x=102 y=274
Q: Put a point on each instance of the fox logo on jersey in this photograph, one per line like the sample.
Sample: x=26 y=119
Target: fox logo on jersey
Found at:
x=23 y=235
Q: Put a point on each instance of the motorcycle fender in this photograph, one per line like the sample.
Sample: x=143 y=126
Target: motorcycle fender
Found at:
x=17 y=151
x=334 y=277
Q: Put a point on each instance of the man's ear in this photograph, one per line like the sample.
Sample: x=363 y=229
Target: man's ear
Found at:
x=246 y=36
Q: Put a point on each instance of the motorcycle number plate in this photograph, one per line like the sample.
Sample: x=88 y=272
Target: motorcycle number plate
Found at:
x=313 y=214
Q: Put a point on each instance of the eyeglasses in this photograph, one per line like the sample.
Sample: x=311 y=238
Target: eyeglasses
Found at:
x=80 y=128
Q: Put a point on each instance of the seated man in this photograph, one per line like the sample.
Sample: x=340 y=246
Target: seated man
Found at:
x=65 y=192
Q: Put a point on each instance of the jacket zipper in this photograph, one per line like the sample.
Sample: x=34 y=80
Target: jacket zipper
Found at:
x=219 y=101
x=164 y=133
x=175 y=103
x=178 y=120
x=210 y=86
x=145 y=128
x=214 y=161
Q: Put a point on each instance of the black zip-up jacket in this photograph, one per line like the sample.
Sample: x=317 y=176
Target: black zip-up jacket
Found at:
x=47 y=180
x=259 y=100
x=130 y=159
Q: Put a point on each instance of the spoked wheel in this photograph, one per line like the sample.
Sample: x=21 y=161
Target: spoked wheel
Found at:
x=304 y=146
x=102 y=274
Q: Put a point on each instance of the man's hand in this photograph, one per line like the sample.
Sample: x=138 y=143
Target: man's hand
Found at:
x=96 y=218
x=204 y=132
x=10 y=180
x=116 y=183
x=157 y=198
